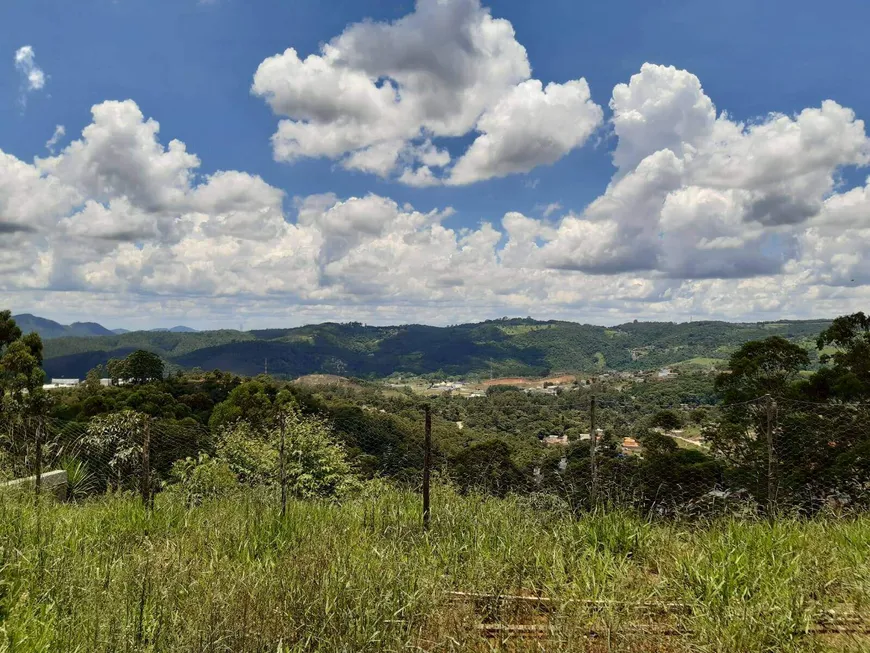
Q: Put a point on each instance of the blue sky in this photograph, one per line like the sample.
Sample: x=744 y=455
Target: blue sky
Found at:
x=190 y=66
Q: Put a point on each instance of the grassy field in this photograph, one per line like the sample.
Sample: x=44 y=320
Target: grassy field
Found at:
x=232 y=575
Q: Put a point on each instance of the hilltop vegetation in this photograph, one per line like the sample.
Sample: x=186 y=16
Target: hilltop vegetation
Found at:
x=507 y=347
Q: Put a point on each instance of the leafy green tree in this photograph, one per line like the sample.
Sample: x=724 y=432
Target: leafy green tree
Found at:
x=656 y=444
x=116 y=368
x=21 y=375
x=487 y=467
x=139 y=368
x=758 y=368
x=9 y=331
x=668 y=420
x=143 y=367
x=92 y=383
x=250 y=401
x=113 y=447
x=252 y=454
x=699 y=416
x=761 y=367
x=315 y=465
x=849 y=375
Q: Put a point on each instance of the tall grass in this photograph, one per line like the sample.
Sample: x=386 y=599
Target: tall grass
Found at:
x=232 y=575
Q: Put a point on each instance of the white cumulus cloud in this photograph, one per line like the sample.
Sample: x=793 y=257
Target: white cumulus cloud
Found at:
x=698 y=195
x=705 y=215
x=528 y=127
x=447 y=69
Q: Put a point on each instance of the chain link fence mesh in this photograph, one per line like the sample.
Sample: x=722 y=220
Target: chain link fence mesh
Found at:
x=767 y=455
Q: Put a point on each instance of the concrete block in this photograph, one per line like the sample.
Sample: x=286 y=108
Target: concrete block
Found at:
x=54 y=482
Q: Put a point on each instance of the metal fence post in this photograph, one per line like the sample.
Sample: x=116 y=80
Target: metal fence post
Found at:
x=593 y=445
x=146 y=464
x=427 y=464
x=282 y=470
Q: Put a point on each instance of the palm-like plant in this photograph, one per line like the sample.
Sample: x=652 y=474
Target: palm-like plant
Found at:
x=81 y=481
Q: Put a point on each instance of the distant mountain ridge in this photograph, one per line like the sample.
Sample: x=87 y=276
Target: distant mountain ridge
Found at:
x=506 y=347
x=175 y=329
x=49 y=329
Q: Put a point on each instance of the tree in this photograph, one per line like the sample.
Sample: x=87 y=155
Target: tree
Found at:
x=116 y=368
x=21 y=392
x=21 y=375
x=249 y=401
x=656 y=444
x=758 y=368
x=138 y=368
x=849 y=376
x=92 y=380
x=314 y=464
x=143 y=366
x=9 y=331
x=669 y=420
x=761 y=367
x=113 y=444
x=487 y=467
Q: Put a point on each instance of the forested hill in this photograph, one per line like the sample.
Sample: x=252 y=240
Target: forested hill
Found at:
x=508 y=346
x=48 y=329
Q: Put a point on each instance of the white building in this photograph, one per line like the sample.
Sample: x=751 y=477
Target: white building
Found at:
x=61 y=383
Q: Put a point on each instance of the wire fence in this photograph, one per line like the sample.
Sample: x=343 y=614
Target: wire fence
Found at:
x=768 y=455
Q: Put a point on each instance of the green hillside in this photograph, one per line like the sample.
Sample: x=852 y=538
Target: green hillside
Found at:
x=507 y=346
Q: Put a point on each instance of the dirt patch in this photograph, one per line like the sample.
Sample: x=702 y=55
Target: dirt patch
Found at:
x=522 y=381
x=511 y=380
x=559 y=380
x=323 y=379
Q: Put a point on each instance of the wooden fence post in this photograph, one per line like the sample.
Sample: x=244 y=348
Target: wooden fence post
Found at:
x=593 y=446
x=283 y=472
x=772 y=462
x=146 y=464
x=427 y=465
x=38 y=457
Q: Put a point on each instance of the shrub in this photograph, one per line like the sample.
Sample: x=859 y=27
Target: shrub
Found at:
x=114 y=443
x=203 y=478
x=250 y=453
x=315 y=465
